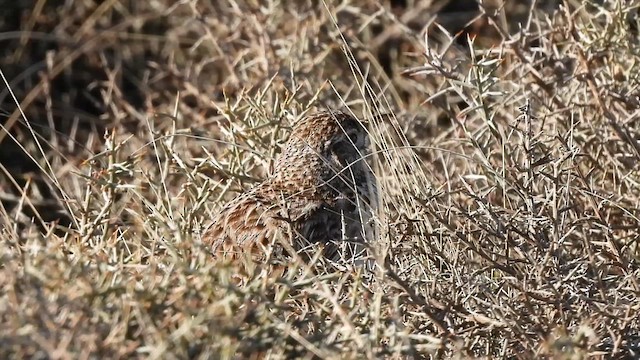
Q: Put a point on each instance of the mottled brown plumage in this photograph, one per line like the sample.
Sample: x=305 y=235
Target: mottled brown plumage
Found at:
x=320 y=192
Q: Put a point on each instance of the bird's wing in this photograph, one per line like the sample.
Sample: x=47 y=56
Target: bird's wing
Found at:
x=255 y=220
x=245 y=224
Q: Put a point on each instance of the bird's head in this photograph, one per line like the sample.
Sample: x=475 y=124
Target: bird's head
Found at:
x=326 y=150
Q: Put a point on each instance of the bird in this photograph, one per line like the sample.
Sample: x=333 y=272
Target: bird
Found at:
x=316 y=204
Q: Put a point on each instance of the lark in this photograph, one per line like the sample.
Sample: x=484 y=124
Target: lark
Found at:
x=317 y=203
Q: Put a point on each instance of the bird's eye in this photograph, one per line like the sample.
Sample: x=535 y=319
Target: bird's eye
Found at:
x=348 y=146
x=354 y=137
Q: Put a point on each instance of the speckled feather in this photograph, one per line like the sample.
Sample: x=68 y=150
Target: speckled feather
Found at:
x=311 y=197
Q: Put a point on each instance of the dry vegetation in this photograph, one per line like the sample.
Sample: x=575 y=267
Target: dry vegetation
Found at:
x=509 y=220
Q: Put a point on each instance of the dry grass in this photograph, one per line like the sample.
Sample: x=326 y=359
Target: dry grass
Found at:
x=509 y=219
